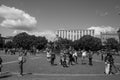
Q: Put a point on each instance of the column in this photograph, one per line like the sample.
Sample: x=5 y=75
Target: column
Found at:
x=70 y=34
x=67 y=34
x=73 y=35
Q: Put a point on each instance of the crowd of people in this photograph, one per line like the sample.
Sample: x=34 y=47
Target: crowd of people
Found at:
x=69 y=57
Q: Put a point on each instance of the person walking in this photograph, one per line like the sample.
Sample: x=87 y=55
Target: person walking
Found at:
x=1 y=65
x=21 y=60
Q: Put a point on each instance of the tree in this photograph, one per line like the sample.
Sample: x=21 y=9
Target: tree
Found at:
x=119 y=34
x=1 y=42
x=9 y=44
x=88 y=42
x=40 y=42
x=29 y=41
x=111 y=43
x=62 y=43
x=22 y=40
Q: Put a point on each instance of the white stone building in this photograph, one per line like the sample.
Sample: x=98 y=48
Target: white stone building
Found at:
x=74 y=34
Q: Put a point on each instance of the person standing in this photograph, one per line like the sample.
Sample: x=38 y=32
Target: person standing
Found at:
x=90 y=57
x=52 y=58
x=108 y=61
x=21 y=60
x=61 y=57
x=112 y=65
x=107 y=65
x=102 y=55
x=84 y=54
x=1 y=65
x=75 y=56
x=49 y=55
x=71 y=59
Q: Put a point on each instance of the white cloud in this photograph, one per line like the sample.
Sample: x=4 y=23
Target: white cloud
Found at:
x=50 y=35
x=99 y=29
x=16 y=19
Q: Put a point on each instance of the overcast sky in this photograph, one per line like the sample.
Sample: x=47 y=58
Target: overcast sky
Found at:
x=36 y=16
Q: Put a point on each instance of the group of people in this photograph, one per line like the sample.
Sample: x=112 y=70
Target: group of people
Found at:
x=14 y=51
x=109 y=64
x=69 y=56
x=50 y=56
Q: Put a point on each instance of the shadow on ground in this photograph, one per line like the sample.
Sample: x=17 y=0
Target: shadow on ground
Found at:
x=5 y=75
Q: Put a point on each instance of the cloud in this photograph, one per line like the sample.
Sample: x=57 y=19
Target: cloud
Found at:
x=50 y=35
x=102 y=13
x=99 y=29
x=117 y=7
x=16 y=19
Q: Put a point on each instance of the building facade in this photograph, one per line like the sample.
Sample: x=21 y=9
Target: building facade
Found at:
x=73 y=34
x=107 y=35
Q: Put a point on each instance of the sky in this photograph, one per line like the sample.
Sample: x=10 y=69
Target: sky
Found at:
x=42 y=17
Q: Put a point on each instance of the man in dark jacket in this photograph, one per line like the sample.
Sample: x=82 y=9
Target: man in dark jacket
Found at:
x=52 y=58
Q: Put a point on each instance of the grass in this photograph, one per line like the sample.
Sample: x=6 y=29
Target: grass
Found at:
x=42 y=66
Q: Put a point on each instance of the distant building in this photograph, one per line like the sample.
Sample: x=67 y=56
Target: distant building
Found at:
x=7 y=39
x=73 y=34
x=107 y=35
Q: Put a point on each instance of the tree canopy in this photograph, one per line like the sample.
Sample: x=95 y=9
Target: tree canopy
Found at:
x=1 y=42
x=88 y=42
x=29 y=41
x=111 y=43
